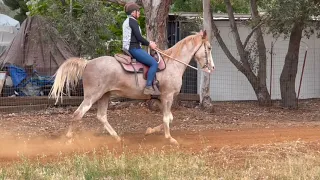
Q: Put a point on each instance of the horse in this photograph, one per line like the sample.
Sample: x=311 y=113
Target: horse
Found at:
x=103 y=77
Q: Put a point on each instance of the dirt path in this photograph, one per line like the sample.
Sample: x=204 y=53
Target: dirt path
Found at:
x=189 y=141
x=238 y=125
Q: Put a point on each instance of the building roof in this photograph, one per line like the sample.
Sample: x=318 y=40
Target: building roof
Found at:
x=216 y=16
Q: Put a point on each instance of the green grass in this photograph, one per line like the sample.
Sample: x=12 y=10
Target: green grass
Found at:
x=278 y=161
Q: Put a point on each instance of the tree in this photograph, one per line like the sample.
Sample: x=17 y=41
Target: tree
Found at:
x=19 y=5
x=156 y=13
x=186 y=6
x=205 y=98
x=291 y=18
x=5 y=10
x=86 y=25
x=244 y=65
x=250 y=53
x=91 y=20
x=207 y=6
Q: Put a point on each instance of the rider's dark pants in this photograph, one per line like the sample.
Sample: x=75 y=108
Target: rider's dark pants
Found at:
x=143 y=57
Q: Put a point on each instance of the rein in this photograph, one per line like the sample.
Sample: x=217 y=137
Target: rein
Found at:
x=206 y=65
x=161 y=52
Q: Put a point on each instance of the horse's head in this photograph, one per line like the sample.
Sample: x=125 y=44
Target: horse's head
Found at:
x=203 y=55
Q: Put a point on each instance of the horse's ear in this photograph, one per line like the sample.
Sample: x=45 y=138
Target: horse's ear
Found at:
x=204 y=34
x=201 y=32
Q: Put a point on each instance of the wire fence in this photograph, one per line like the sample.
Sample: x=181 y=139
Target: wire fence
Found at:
x=227 y=82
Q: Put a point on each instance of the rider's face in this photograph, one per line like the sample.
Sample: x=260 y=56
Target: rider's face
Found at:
x=136 y=14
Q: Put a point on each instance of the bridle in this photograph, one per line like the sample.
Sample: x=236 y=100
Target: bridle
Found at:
x=206 y=65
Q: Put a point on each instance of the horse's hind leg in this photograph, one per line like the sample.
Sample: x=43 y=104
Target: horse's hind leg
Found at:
x=79 y=113
x=155 y=129
x=103 y=104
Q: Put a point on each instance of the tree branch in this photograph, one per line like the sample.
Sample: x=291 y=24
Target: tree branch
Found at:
x=242 y=66
x=225 y=48
x=250 y=35
x=235 y=32
x=261 y=47
x=63 y=2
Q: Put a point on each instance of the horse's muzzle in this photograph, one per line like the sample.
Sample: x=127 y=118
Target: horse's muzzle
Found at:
x=208 y=70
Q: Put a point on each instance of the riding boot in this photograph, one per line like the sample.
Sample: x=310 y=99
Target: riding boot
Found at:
x=148 y=90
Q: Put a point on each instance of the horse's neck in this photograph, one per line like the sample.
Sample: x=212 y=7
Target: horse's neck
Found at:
x=185 y=55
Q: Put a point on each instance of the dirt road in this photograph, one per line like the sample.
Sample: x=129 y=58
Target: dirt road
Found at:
x=231 y=124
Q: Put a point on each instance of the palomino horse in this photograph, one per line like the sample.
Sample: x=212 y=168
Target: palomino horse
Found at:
x=104 y=77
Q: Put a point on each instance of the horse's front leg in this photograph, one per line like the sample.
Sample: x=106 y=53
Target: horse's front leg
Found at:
x=167 y=117
x=159 y=127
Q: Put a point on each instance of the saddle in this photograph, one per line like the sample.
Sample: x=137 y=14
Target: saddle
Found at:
x=129 y=64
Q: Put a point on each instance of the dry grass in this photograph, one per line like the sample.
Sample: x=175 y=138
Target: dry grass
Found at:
x=292 y=160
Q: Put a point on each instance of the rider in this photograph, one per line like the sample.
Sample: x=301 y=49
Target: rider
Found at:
x=132 y=39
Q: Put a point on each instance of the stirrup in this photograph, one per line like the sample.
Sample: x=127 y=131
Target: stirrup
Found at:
x=155 y=86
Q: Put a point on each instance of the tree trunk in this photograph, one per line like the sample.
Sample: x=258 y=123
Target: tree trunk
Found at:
x=205 y=98
x=156 y=12
x=289 y=71
x=262 y=93
x=261 y=90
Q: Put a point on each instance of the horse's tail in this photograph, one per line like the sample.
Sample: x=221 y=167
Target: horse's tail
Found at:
x=69 y=74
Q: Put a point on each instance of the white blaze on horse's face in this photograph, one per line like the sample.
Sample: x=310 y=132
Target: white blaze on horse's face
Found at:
x=204 y=57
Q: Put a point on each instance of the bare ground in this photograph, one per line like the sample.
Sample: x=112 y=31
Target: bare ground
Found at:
x=232 y=124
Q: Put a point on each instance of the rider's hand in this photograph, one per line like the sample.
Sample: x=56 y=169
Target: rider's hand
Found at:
x=153 y=45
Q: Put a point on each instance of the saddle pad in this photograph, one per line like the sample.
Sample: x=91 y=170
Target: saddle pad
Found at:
x=138 y=67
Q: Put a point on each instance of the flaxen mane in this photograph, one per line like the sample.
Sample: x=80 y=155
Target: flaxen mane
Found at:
x=176 y=49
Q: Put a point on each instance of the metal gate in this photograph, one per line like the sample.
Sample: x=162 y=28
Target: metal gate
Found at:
x=178 y=29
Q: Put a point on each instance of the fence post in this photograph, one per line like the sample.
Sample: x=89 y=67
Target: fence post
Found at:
x=271 y=69
x=304 y=63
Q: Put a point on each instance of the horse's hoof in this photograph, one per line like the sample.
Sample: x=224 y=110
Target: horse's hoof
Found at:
x=69 y=134
x=69 y=141
x=118 y=139
x=149 y=131
x=173 y=142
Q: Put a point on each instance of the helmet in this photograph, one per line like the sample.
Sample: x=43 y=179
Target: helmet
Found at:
x=130 y=7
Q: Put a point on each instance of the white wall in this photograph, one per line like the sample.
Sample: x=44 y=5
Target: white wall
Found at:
x=7 y=34
x=227 y=83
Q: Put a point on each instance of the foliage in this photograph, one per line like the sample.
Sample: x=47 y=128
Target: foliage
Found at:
x=93 y=28
x=282 y=14
x=186 y=6
x=5 y=10
x=218 y=6
x=19 y=6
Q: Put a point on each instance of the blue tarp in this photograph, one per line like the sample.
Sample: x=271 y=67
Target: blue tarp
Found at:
x=28 y=85
x=17 y=74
